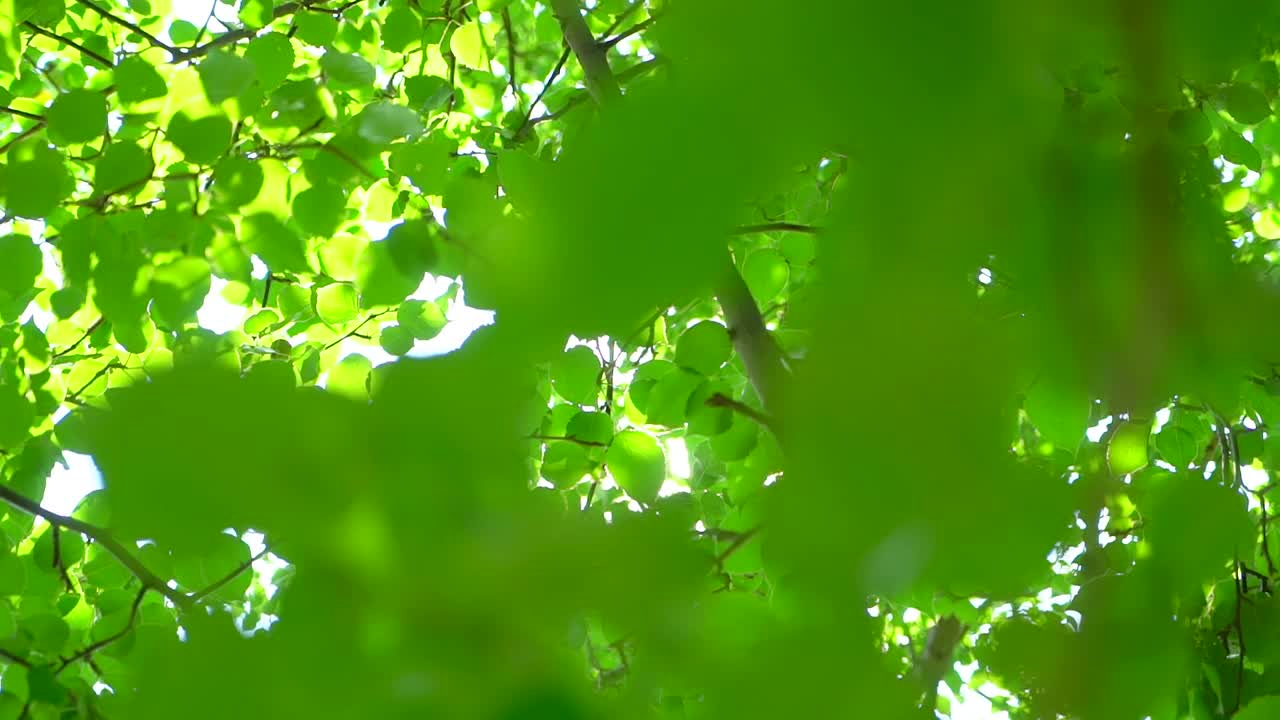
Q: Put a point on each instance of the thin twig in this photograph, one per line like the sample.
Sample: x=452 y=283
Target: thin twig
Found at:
x=737 y=543
x=591 y=493
x=104 y=62
x=356 y=329
x=14 y=658
x=234 y=36
x=95 y=647
x=99 y=535
x=196 y=597
x=58 y=565
x=568 y=438
x=96 y=324
x=724 y=401
x=638 y=27
x=21 y=113
x=130 y=26
x=777 y=227
x=601 y=83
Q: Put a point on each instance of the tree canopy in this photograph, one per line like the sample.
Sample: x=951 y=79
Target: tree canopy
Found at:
x=849 y=358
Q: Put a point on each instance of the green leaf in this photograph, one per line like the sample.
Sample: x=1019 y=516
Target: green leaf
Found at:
x=179 y=288
x=466 y=45
x=426 y=163
x=272 y=57
x=256 y=13
x=273 y=241
x=427 y=92
x=66 y=301
x=590 y=426
x=350 y=377
x=395 y=339
x=421 y=319
x=575 y=375
x=1246 y=103
x=638 y=464
x=1190 y=126
x=704 y=347
x=225 y=75
x=319 y=209
x=237 y=181
x=765 y=272
x=137 y=80
x=1240 y=151
x=36 y=183
x=378 y=278
x=1060 y=413
x=49 y=634
x=345 y=71
x=401 y=28
x=1262 y=708
x=201 y=140
x=124 y=165
x=564 y=464
x=77 y=116
x=337 y=303
x=738 y=441
x=1127 y=448
x=382 y=122
x=13 y=574
x=316 y=28
x=20 y=264
x=182 y=32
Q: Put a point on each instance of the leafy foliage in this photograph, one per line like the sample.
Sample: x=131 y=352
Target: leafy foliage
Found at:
x=917 y=348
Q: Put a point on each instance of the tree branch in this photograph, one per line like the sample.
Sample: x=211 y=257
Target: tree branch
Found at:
x=132 y=27
x=96 y=324
x=101 y=536
x=724 y=401
x=776 y=227
x=595 y=63
x=21 y=113
x=69 y=43
x=764 y=361
x=234 y=36
x=196 y=597
x=95 y=647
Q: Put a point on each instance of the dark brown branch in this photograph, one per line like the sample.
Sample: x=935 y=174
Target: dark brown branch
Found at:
x=104 y=62
x=734 y=546
x=576 y=100
x=724 y=401
x=132 y=27
x=197 y=597
x=15 y=659
x=88 y=651
x=58 y=565
x=96 y=324
x=234 y=36
x=637 y=28
x=21 y=113
x=99 y=535
x=567 y=438
x=777 y=227
x=595 y=62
